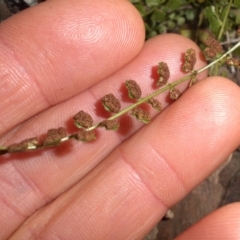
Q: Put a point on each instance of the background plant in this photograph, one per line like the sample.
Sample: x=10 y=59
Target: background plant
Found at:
x=188 y=17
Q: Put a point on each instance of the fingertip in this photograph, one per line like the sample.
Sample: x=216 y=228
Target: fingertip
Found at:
x=58 y=49
x=222 y=224
x=188 y=140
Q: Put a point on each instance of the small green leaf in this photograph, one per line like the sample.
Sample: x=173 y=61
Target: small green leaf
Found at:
x=190 y=14
x=174 y=4
x=158 y=16
x=141 y=9
x=180 y=21
x=152 y=34
x=171 y=25
x=189 y=33
x=236 y=3
x=214 y=20
x=162 y=28
x=172 y=16
x=152 y=3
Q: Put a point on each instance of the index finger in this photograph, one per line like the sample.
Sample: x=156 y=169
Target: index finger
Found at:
x=57 y=49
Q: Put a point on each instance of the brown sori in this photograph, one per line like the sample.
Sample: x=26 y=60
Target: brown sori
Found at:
x=233 y=62
x=141 y=114
x=189 y=60
x=54 y=136
x=110 y=124
x=85 y=136
x=213 y=47
x=164 y=74
x=83 y=119
x=155 y=104
x=27 y=144
x=174 y=93
x=134 y=90
x=111 y=103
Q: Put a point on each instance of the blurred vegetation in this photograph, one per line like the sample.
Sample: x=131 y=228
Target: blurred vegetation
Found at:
x=190 y=18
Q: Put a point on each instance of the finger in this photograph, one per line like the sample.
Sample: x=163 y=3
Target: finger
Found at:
x=71 y=162
x=57 y=49
x=126 y=195
x=220 y=225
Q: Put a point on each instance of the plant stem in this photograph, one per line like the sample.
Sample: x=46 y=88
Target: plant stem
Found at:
x=216 y=67
x=224 y=20
x=220 y=58
x=167 y=87
x=4 y=149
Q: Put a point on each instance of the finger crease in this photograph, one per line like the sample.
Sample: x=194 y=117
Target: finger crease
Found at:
x=124 y=158
x=21 y=66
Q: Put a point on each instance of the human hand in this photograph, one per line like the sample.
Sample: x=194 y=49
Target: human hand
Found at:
x=61 y=57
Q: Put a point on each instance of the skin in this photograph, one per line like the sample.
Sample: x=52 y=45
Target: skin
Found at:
x=61 y=57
